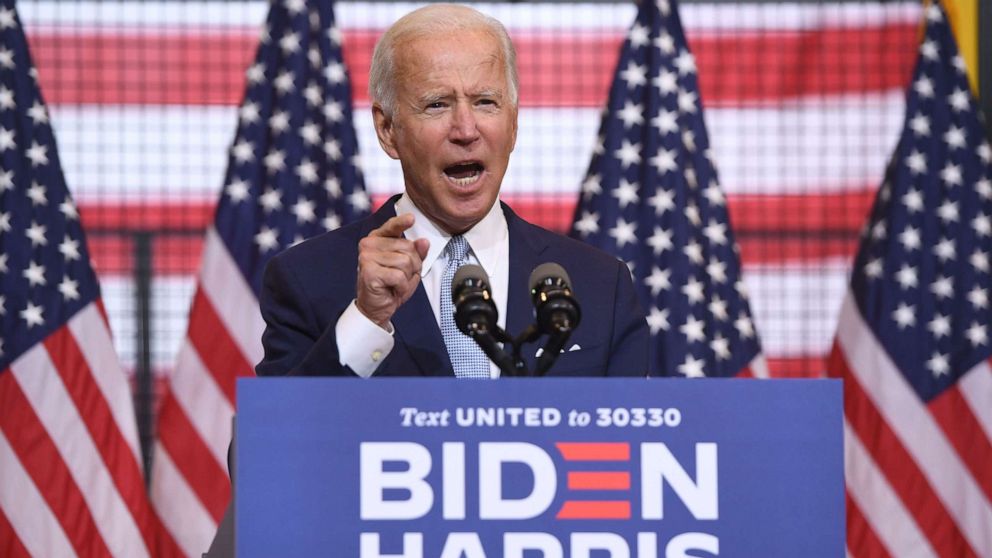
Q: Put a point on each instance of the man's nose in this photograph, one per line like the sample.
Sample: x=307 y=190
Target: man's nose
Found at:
x=464 y=126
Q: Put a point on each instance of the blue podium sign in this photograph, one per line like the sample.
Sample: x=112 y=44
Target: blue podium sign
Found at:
x=549 y=468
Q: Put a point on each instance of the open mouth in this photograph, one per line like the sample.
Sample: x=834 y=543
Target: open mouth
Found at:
x=464 y=174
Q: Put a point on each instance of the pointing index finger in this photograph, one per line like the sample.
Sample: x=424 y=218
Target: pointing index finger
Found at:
x=394 y=227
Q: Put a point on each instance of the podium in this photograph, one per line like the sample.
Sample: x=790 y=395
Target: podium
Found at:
x=521 y=468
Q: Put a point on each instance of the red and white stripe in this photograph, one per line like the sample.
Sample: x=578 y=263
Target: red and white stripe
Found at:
x=190 y=483
x=69 y=461
x=918 y=473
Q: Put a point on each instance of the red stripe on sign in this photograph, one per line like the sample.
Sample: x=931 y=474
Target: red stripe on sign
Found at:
x=860 y=536
x=96 y=414
x=587 y=451
x=898 y=466
x=43 y=462
x=206 y=67
x=219 y=353
x=10 y=543
x=193 y=458
x=598 y=480
x=963 y=430
x=594 y=510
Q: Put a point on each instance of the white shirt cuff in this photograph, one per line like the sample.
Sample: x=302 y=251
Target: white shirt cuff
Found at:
x=362 y=344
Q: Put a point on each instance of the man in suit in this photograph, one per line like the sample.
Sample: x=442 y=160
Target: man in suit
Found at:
x=373 y=298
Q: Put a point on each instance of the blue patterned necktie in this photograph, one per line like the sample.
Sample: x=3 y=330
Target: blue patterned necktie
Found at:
x=467 y=358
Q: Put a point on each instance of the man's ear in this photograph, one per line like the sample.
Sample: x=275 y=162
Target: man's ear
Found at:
x=384 y=130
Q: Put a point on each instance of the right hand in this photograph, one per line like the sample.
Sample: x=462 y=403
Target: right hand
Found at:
x=388 y=269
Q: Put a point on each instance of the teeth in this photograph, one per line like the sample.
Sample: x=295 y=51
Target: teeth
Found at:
x=466 y=180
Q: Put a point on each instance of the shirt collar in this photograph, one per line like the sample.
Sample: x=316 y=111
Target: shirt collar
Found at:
x=484 y=238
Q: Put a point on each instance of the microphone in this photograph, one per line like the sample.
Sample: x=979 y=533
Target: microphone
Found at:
x=476 y=314
x=557 y=310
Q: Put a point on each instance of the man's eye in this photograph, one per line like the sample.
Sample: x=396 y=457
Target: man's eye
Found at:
x=435 y=105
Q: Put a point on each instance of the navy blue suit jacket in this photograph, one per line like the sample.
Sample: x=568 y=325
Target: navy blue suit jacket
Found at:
x=306 y=288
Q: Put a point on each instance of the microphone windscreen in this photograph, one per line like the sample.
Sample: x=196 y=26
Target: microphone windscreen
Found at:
x=468 y=271
x=546 y=270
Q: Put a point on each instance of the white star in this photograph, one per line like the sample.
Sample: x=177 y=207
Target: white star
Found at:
x=35 y=274
x=243 y=151
x=295 y=6
x=955 y=138
x=635 y=75
x=979 y=260
x=6 y=180
x=631 y=115
x=666 y=81
x=959 y=65
x=657 y=320
x=878 y=231
x=694 y=251
x=906 y=276
x=873 y=269
x=592 y=186
x=333 y=187
x=68 y=209
x=920 y=125
x=658 y=280
x=638 y=35
x=279 y=121
x=692 y=213
x=716 y=232
x=626 y=193
x=692 y=368
x=333 y=111
x=940 y=326
x=332 y=148
x=744 y=326
x=664 y=160
x=984 y=188
x=271 y=200
x=588 y=224
x=685 y=63
x=32 y=315
x=960 y=100
x=693 y=329
x=6 y=98
x=948 y=212
x=666 y=121
x=977 y=334
x=720 y=347
x=984 y=152
x=3 y=263
x=313 y=55
x=304 y=211
x=933 y=13
x=718 y=307
x=662 y=201
x=248 y=113
x=913 y=200
x=69 y=249
x=6 y=58
x=7 y=18
x=624 y=232
x=307 y=171
x=910 y=238
x=313 y=95
x=917 y=162
x=5 y=221
x=36 y=232
x=929 y=50
x=275 y=161
x=6 y=139
x=717 y=270
x=687 y=104
x=37 y=113
x=266 y=239
x=3 y=305
x=982 y=225
x=942 y=287
x=69 y=289
x=335 y=35
x=978 y=297
x=256 y=73
x=237 y=191
x=335 y=72
x=924 y=86
x=360 y=200
x=693 y=290
x=904 y=315
x=331 y=221
x=951 y=174
x=38 y=154
x=660 y=241
x=37 y=194
x=284 y=82
x=289 y=43
x=945 y=249
x=665 y=43
x=938 y=365
x=310 y=133
x=629 y=154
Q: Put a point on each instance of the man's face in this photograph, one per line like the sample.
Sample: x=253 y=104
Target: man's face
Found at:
x=454 y=125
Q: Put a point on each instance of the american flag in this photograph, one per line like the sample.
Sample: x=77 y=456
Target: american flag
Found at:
x=71 y=480
x=292 y=173
x=651 y=197
x=912 y=342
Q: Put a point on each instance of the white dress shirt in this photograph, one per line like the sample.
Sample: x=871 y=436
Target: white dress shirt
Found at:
x=362 y=344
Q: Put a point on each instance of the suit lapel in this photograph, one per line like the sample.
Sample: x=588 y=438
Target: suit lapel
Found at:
x=526 y=251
